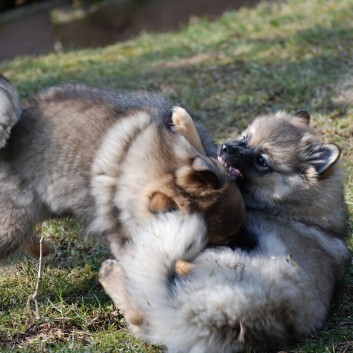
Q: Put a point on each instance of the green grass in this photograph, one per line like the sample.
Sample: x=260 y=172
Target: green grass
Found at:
x=292 y=55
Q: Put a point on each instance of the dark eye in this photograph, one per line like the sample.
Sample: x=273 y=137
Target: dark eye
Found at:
x=261 y=161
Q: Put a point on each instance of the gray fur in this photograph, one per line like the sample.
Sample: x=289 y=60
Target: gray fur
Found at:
x=98 y=155
x=266 y=297
x=10 y=110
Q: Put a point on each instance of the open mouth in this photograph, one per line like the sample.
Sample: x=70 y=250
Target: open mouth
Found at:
x=232 y=171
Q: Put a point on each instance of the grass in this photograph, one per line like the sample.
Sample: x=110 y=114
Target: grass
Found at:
x=292 y=55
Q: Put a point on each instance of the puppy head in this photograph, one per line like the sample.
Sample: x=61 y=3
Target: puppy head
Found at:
x=279 y=160
x=200 y=184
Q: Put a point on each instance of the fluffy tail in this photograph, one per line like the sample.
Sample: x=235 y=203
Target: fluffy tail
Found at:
x=141 y=282
x=231 y=300
x=159 y=246
x=10 y=109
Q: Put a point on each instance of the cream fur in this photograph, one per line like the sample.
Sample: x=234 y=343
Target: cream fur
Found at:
x=232 y=299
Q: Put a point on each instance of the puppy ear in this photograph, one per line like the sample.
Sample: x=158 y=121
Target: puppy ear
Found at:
x=160 y=203
x=302 y=116
x=203 y=175
x=324 y=157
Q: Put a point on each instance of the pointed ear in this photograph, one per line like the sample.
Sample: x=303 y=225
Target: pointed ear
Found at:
x=302 y=116
x=202 y=176
x=324 y=157
x=160 y=203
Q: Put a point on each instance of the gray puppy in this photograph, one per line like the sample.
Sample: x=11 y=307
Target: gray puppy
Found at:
x=231 y=300
x=111 y=159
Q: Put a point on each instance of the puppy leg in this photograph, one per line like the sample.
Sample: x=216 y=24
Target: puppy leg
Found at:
x=32 y=247
x=16 y=231
x=115 y=282
x=184 y=125
x=19 y=214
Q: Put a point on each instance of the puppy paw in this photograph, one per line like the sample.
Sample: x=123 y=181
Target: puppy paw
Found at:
x=114 y=280
x=183 y=268
x=107 y=269
x=184 y=125
x=182 y=120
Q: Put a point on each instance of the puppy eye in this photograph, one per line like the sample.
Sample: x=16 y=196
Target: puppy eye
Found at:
x=261 y=161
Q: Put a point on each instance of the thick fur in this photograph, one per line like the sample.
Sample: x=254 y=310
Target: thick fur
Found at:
x=10 y=110
x=233 y=300
x=111 y=159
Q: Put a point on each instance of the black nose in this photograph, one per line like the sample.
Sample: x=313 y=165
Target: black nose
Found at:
x=228 y=149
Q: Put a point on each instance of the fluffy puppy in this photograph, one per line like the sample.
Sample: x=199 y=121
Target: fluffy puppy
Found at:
x=232 y=300
x=113 y=160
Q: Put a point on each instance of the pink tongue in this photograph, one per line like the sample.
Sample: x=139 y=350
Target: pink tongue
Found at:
x=234 y=171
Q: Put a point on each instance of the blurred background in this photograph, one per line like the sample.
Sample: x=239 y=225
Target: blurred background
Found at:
x=30 y=27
